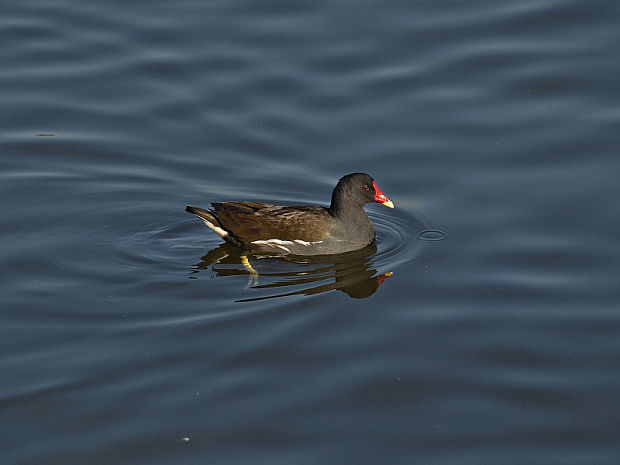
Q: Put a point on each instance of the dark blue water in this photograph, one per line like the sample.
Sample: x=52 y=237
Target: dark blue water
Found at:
x=130 y=335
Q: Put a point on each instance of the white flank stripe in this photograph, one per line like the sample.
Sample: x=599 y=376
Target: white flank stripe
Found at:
x=299 y=241
x=283 y=244
x=274 y=243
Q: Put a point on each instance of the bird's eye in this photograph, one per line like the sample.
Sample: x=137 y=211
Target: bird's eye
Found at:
x=366 y=187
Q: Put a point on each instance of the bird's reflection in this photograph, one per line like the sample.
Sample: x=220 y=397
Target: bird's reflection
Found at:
x=351 y=272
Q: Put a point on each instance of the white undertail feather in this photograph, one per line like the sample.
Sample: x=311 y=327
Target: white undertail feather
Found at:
x=219 y=231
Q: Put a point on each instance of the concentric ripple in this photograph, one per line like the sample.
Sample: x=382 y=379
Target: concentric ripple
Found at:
x=397 y=238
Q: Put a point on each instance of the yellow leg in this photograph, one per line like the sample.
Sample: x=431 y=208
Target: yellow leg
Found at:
x=253 y=274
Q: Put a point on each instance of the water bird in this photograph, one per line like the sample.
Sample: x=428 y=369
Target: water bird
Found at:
x=302 y=229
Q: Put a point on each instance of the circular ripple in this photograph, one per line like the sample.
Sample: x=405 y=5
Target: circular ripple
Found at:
x=396 y=231
x=359 y=273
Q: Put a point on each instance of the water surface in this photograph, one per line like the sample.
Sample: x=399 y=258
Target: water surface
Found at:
x=481 y=328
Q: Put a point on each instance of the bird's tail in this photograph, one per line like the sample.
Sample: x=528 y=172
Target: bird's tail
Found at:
x=209 y=219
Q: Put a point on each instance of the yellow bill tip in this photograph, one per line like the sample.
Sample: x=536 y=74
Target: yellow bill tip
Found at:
x=388 y=204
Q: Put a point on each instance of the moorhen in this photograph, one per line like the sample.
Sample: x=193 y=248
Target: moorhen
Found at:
x=300 y=230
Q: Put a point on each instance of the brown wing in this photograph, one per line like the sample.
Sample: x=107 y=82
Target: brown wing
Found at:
x=249 y=221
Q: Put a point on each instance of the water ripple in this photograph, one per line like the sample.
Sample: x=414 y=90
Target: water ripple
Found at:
x=358 y=273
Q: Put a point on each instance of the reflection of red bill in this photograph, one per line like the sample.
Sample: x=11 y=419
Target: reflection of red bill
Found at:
x=383 y=277
x=381 y=197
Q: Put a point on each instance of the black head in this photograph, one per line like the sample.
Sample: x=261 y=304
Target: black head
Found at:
x=355 y=190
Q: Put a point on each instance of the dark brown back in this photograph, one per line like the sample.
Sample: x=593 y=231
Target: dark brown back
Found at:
x=251 y=221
